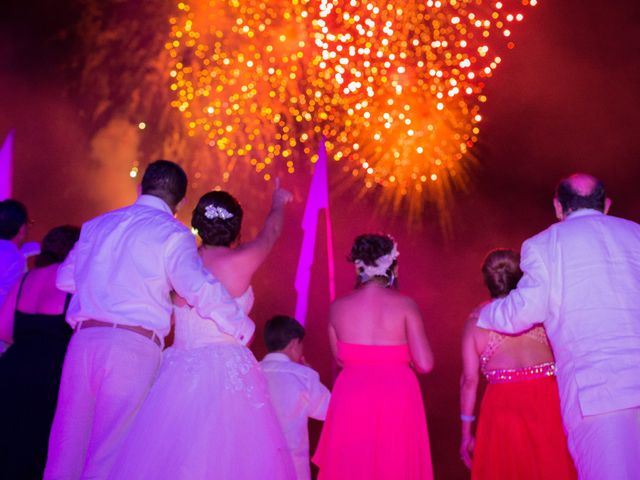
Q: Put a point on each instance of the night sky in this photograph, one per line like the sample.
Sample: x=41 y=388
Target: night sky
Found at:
x=563 y=100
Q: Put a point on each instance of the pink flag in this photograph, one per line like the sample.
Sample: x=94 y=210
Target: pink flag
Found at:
x=317 y=199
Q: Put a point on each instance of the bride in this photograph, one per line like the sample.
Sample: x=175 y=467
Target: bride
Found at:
x=208 y=415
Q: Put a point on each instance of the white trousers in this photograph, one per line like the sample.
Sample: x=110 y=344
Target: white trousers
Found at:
x=106 y=376
x=606 y=446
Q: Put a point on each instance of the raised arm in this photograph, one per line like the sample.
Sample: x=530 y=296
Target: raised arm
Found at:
x=254 y=252
x=201 y=290
x=526 y=305
x=421 y=354
x=468 y=389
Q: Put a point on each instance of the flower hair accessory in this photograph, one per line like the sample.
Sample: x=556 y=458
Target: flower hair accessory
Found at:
x=211 y=211
x=380 y=268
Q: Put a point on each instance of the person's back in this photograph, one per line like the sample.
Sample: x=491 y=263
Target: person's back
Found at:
x=122 y=271
x=32 y=320
x=120 y=254
x=295 y=389
x=376 y=426
x=594 y=304
x=372 y=315
x=582 y=276
x=225 y=425
x=597 y=259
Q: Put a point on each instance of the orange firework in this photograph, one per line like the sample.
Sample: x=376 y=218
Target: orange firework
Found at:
x=394 y=87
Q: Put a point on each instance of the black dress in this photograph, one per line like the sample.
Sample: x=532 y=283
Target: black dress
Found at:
x=30 y=373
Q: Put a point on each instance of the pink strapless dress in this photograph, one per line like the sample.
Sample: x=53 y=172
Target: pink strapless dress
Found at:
x=376 y=426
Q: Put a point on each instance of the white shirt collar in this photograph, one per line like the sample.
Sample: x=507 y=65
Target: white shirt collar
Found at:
x=154 y=202
x=277 y=356
x=583 y=212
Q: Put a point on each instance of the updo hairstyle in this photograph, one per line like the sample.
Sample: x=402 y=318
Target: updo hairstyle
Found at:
x=218 y=232
x=371 y=246
x=501 y=271
x=57 y=244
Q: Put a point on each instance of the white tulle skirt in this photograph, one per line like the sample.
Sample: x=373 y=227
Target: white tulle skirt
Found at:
x=208 y=416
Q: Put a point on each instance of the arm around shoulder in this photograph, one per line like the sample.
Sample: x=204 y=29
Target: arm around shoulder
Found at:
x=201 y=290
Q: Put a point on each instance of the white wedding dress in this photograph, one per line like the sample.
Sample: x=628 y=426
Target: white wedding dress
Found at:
x=208 y=415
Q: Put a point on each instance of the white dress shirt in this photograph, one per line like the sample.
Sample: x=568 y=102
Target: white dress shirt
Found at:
x=126 y=264
x=297 y=394
x=13 y=264
x=582 y=281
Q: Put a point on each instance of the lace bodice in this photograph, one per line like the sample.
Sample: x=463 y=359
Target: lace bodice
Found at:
x=193 y=331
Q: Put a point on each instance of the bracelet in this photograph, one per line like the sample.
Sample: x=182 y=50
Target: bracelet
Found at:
x=467 y=418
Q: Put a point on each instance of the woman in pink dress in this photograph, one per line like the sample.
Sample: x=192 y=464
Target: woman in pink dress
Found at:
x=376 y=426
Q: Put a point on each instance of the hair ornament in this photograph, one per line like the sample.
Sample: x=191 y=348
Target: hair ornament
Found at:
x=380 y=268
x=212 y=211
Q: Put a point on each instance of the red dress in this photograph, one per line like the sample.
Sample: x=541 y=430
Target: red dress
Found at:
x=520 y=434
x=375 y=427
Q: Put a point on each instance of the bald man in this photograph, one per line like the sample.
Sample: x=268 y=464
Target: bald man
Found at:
x=582 y=282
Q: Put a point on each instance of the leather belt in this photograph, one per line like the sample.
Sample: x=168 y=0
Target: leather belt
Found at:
x=151 y=335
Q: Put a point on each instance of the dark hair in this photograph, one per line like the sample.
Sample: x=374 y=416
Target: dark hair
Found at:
x=369 y=247
x=501 y=271
x=217 y=231
x=166 y=180
x=570 y=200
x=57 y=244
x=280 y=330
x=13 y=215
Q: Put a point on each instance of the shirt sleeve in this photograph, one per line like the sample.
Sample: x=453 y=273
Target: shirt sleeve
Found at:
x=202 y=291
x=319 y=397
x=65 y=278
x=527 y=304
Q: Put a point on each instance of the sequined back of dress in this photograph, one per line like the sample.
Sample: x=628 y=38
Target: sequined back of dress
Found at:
x=506 y=375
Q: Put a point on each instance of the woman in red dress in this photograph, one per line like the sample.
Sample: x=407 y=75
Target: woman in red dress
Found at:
x=520 y=434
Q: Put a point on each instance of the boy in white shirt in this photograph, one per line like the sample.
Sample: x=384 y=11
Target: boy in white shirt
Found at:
x=296 y=390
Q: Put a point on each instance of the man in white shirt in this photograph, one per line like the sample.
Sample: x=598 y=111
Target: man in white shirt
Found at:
x=582 y=282
x=13 y=230
x=296 y=391
x=122 y=272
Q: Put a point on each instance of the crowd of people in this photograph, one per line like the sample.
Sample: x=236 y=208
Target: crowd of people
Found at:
x=91 y=391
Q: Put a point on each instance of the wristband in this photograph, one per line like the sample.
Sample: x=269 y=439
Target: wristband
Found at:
x=467 y=418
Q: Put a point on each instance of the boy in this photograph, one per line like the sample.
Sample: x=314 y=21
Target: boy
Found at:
x=296 y=391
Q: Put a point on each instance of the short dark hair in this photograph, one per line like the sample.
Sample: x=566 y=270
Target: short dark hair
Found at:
x=501 y=271
x=217 y=231
x=280 y=330
x=13 y=215
x=166 y=180
x=570 y=200
x=57 y=244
